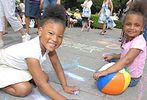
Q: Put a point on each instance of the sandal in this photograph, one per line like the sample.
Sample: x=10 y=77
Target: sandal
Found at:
x=102 y=33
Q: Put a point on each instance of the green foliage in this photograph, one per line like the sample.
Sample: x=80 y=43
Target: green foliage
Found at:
x=118 y=24
x=96 y=25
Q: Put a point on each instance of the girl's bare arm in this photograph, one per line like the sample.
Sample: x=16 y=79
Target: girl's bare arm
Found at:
x=40 y=79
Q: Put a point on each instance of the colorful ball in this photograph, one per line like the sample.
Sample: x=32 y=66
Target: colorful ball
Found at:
x=113 y=83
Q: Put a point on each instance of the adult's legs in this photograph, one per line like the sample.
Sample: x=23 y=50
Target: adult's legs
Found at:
x=38 y=24
x=10 y=16
x=103 y=29
x=27 y=21
x=9 y=13
x=85 y=23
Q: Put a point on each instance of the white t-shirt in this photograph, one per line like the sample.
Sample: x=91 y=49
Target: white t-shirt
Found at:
x=88 y=3
x=15 y=55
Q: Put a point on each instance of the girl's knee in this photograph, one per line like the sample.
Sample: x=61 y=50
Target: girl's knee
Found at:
x=21 y=89
x=24 y=89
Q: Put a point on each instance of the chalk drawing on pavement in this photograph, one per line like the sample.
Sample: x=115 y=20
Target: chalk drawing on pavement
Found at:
x=81 y=47
x=76 y=63
x=109 y=44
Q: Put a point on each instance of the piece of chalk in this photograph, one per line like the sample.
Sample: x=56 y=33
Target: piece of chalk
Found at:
x=76 y=92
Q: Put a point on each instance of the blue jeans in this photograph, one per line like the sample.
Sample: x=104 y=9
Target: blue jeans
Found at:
x=145 y=32
x=47 y=2
x=134 y=81
x=113 y=60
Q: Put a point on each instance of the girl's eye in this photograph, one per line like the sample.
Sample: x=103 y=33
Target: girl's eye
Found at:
x=50 y=33
x=137 y=25
x=61 y=36
x=128 y=24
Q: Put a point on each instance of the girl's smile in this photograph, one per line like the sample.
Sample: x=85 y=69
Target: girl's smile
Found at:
x=51 y=35
x=133 y=25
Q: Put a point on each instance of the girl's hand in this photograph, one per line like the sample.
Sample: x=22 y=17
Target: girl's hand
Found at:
x=99 y=74
x=107 y=57
x=71 y=89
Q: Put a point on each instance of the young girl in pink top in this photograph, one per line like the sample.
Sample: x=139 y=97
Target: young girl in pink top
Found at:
x=133 y=46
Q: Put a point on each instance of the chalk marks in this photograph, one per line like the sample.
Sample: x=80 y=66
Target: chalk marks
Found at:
x=113 y=46
x=86 y=68
x=79 y=78
x=5 y=98
x=77 y=64
x=38 y=96
x=109 y=44
x=89 y=48
x=81 y=47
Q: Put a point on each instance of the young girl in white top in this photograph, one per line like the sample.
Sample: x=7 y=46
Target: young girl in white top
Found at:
x=134 y=46
x=86 y=14
x=21 y=63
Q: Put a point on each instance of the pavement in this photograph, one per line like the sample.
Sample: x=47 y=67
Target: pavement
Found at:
x=81 y=55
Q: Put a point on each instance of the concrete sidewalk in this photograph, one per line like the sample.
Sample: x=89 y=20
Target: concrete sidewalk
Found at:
x=81 y=55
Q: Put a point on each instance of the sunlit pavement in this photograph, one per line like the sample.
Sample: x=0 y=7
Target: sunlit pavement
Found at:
x=81 y=55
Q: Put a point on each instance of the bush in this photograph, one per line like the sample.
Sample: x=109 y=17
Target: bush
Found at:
x=96 y=25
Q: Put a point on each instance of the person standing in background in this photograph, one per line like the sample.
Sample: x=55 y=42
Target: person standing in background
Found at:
x=86 y=14
x=7 y=10
x=104 y=14
x=32 y=11
x=22 y=11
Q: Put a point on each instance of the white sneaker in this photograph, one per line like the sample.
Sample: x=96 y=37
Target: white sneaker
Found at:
x=26 y=37
x=1 y=43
